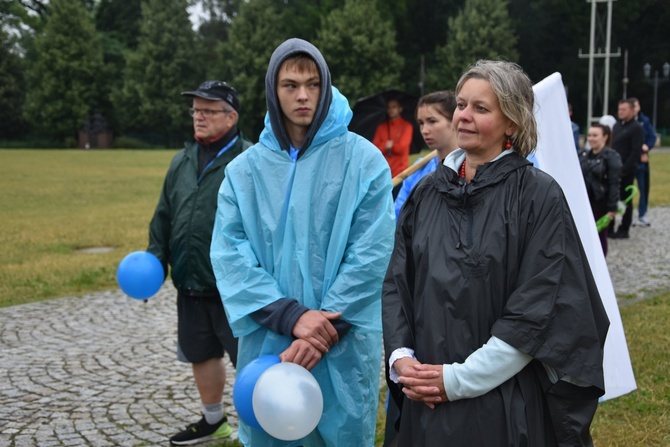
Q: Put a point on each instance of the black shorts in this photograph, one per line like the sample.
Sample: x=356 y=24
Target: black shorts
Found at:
x=203 y=331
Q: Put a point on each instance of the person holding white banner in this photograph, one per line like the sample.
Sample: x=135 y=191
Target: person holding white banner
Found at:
x=493 y=326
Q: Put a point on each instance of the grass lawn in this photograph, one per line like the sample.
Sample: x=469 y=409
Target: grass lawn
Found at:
x=641 y=418
x=56 y=203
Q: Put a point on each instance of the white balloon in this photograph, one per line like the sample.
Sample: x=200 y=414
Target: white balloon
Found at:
x=287 y=401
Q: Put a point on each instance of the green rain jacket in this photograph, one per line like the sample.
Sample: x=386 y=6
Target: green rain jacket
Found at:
x=180 y=232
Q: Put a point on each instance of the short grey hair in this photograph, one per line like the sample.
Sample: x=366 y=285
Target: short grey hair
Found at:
x=514 y=91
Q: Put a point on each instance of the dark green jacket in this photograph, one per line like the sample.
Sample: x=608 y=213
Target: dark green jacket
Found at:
x=180 y=232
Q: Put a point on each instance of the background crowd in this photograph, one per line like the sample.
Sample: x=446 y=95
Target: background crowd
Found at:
x=617 y=156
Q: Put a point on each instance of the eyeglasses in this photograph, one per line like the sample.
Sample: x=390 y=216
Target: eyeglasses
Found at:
x=207 y=113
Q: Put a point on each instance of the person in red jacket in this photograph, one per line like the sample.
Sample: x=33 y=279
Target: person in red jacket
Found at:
x=393 y=137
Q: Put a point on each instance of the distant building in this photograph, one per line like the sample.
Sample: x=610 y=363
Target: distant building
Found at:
x=94 y=133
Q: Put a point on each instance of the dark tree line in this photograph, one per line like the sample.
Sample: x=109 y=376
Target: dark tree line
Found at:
x=62 y=61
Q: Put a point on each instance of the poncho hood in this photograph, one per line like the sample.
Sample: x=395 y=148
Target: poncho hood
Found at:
x=488 y=175
x=274 y=124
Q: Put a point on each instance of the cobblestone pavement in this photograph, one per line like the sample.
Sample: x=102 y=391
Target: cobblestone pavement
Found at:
x=640 y=266
x=100 y=370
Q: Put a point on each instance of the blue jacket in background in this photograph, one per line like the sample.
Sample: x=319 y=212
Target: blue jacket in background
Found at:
x=649 y=132
x=575 y=134
x=410 y=182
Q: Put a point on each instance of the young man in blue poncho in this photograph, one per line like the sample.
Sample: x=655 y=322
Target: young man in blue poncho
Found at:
x=302 y=239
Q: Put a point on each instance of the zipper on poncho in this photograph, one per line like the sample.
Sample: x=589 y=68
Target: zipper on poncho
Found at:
x=460 y=218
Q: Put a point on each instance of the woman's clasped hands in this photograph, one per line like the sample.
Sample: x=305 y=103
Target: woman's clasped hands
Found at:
x=421 y=382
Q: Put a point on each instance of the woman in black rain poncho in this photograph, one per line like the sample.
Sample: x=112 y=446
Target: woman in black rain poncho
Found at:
x=493 y=325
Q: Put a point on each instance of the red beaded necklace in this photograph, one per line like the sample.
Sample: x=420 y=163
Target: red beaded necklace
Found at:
x=462 y=171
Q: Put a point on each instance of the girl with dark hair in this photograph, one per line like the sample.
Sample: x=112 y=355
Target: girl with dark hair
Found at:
x=601 y=167
x=434 y=113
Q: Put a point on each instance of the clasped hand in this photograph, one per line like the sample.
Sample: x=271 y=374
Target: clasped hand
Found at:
x=421 y=382
x=315 y=335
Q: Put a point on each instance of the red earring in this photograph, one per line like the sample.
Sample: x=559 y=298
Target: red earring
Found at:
x=508 y=144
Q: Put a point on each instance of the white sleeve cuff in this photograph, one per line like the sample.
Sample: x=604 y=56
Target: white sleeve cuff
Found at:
x=483 y=370
x=395 y=355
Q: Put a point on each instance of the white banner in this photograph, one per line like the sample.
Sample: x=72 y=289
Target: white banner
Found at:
x=556 y=155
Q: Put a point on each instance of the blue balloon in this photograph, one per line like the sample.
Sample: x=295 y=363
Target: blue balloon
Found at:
x=140 y=274
x=243 y=390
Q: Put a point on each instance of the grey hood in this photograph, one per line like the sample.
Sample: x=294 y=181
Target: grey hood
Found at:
x=287 y=49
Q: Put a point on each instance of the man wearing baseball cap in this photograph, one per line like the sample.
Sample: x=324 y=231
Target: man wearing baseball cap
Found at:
x=180 y=234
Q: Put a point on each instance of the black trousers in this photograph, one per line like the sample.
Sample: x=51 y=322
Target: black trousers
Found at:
x=627 y=218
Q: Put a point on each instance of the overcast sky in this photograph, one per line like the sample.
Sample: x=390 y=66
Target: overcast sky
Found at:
x=197 y=14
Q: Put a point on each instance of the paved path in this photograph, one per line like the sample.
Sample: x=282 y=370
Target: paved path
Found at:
x=97 y=370
x=640 y=266
x=100 y=370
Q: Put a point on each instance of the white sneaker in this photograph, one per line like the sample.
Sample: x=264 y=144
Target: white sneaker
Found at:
x=643 y=222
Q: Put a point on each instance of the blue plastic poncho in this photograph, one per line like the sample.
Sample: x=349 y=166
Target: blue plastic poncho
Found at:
x=318 y=229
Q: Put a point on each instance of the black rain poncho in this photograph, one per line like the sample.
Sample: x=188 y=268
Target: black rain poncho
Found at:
x=500 y=256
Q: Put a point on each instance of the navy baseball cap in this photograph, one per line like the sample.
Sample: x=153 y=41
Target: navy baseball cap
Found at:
x=216 y=91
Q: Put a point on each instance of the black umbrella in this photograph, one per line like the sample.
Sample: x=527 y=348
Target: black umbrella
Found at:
x=370 y=112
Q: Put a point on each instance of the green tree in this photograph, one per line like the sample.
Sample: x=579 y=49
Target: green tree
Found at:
x=481 y=30
x=12 y=90
x=36 y=6
x=120 y=19
x=305 y=16
x=545 y=48
x=362 y=58
x=420 y=28
x=63 y=78
x=11 y=14
x=118 y=22
x=161 y=67
x=641 y=28
x=256 y=32
x=224 y=10
x=213 y=30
